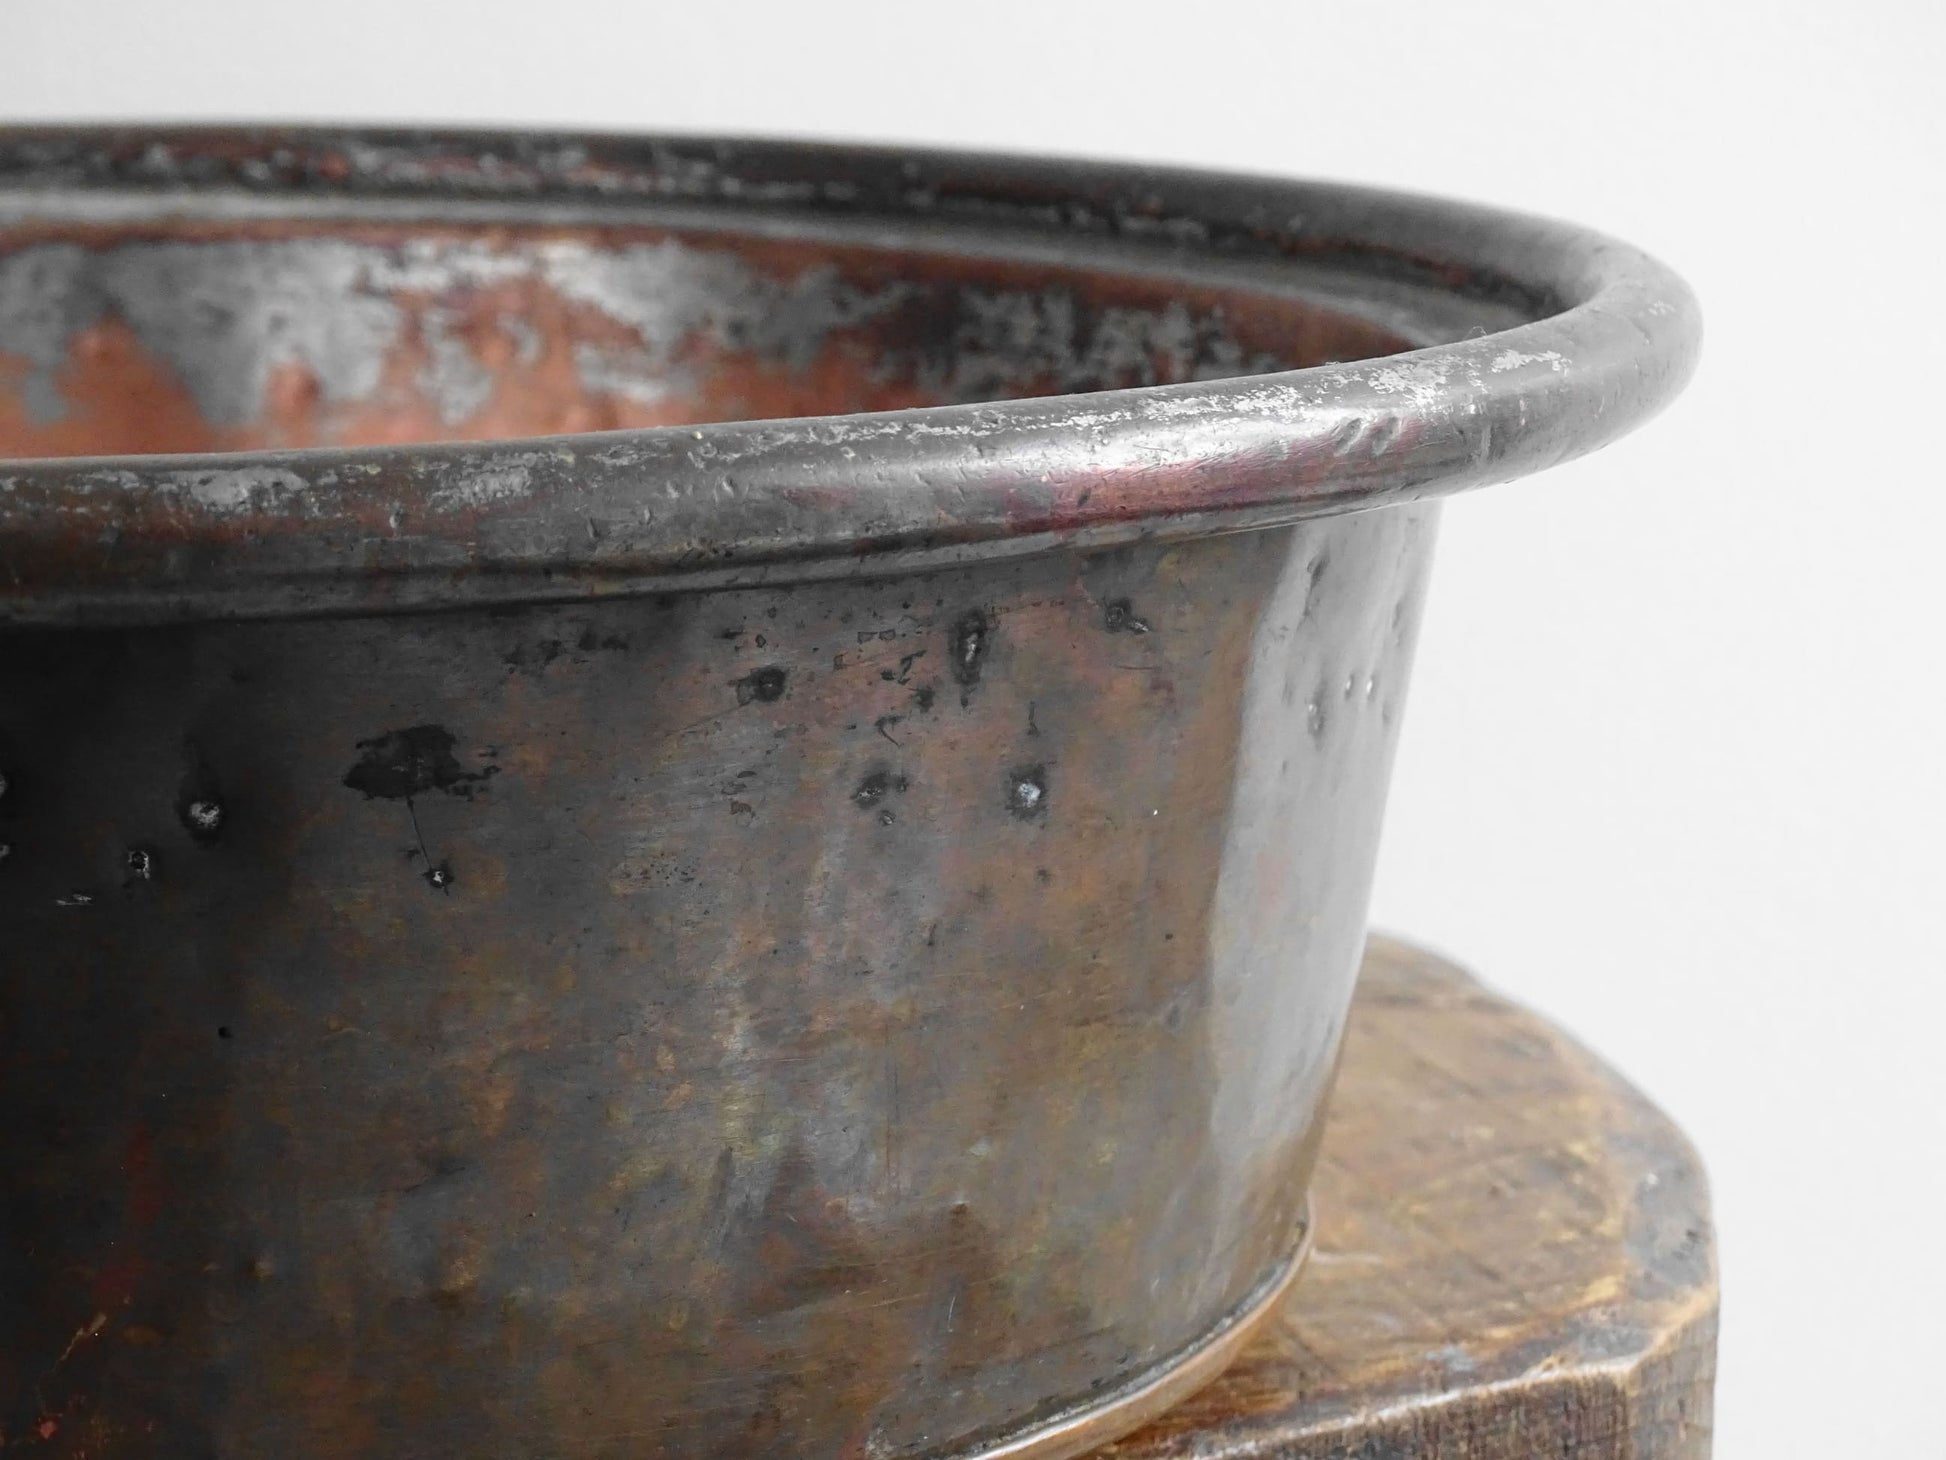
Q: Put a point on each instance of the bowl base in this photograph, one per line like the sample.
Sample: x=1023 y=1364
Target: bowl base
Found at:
x=1148 y=1394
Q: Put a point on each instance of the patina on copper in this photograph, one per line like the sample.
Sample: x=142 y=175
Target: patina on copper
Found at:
x=655 y=802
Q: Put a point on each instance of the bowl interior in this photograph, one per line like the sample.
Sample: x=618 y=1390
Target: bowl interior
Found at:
x=192 y=335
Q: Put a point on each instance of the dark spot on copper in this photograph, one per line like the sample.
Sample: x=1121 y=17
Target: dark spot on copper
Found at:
x=440 y=877
x=1119 y=617
x=923 y=696
x=968 y=643
x=904 y=671
x=766 y=685
x=404 y=763
x=223 y=1031
x=1314 y=573
x=875 y=787
x=1027 y=792
x=534 y=658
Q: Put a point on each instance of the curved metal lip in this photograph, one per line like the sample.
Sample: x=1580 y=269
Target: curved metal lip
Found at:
x=1165 y=1385
x=1610 y=335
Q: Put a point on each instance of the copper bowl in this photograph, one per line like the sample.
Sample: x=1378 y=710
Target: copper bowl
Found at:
x=676 y=798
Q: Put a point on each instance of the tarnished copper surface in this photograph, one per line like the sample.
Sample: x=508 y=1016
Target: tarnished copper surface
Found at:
x=1539 y=341
x=167 y=336
x=839 y=1019
x=834 y=941
x=1515 y=1256
x=1162 y=1388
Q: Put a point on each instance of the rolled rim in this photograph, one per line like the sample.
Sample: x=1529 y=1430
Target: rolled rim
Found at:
x=1608 y=336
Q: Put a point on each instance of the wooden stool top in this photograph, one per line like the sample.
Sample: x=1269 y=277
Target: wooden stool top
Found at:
x=1513 y=1256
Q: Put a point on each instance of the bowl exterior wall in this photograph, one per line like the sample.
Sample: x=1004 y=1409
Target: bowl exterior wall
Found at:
x=848 y=1018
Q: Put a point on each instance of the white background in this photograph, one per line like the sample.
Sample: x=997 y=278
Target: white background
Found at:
x=1673 y=771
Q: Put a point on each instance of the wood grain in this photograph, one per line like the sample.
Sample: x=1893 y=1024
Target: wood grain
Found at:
x=1513 y=1259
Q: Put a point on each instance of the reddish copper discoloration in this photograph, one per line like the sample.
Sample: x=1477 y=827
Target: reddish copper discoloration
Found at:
x=1537 y=340
x=517 y=319
x=835 y=937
